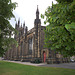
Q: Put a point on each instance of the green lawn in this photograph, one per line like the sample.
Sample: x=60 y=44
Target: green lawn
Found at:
x=8 y=68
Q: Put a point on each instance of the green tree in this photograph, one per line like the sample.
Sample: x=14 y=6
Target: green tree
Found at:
x=6 y=29
x=60 y=32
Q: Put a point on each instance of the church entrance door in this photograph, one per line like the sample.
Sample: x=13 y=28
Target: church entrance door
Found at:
x=44 y=56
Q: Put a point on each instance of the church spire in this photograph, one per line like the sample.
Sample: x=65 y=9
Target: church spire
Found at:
x=37 y=9
x=37 y=13
x=16 y=25
x=37 y=20
x=18 y=22
x=24 y=24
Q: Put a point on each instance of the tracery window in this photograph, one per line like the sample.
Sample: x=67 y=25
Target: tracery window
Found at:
x=21 y=48
x=30 y=42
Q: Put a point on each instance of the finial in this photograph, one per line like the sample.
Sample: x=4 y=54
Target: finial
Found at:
x=37 y=9
x=18 y=22
x=37 y=6
x=37 y=13
x=21 y=25
x=24 y=24
x=26 y=28
x=16 y=25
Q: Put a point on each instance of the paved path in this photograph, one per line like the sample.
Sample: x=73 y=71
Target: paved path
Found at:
x=62 y=65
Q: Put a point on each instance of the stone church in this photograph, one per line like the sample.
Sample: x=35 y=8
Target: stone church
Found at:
x=31 y=45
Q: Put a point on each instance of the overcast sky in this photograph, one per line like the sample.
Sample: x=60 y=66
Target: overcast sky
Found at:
x=26 y=11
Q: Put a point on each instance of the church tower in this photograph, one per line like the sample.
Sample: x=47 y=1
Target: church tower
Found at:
x=37 y=20
x=37 y=26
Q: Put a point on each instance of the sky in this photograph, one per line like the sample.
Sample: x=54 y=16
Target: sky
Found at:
x=26 y=11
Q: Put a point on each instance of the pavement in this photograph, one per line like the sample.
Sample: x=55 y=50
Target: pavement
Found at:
x=62 y=65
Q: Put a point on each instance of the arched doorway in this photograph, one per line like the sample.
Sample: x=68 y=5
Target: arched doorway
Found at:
x=44 y=56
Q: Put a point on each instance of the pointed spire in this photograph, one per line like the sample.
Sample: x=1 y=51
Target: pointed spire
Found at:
x=18 y=22
x=24 y=24
x=16 y=25
x=26 y=29
x=37 y=13
x=37 y=10
x=21 y=25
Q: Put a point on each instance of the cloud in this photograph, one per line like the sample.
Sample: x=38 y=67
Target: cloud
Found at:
x=26 y=10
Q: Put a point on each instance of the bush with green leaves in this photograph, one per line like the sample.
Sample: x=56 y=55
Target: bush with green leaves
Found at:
x=6 y=29
x=60 y=31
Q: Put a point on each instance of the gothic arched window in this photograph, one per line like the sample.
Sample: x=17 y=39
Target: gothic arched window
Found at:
x=30 y=45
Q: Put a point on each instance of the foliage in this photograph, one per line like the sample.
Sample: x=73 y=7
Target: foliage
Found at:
x=8 y=68
x=6 y=30
x=60 y=32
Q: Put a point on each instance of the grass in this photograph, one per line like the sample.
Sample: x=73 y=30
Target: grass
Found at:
x=8 y=68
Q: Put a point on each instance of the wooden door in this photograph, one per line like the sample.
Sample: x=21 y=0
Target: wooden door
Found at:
x=44 y=55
